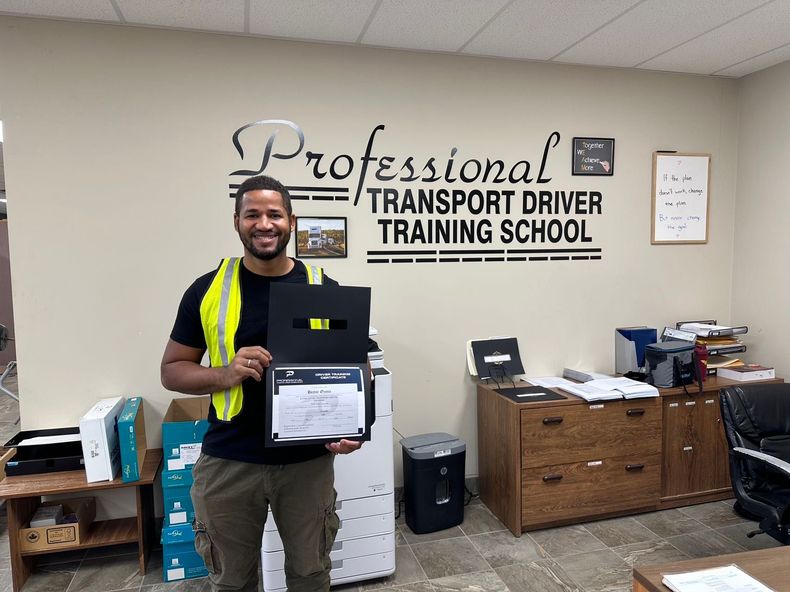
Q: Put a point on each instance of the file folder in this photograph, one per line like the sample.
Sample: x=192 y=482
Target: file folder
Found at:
x=629 y=347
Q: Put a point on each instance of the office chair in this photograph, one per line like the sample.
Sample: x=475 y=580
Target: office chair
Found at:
x=756 y=420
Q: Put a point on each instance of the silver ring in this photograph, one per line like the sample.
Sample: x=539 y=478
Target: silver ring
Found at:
x=248 y=363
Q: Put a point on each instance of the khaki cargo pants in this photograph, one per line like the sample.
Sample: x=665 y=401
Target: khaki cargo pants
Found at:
x=231 y=501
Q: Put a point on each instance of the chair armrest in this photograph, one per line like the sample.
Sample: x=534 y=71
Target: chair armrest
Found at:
x=765 y=458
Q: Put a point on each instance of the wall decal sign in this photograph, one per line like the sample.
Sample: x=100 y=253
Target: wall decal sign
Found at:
x=446 y=208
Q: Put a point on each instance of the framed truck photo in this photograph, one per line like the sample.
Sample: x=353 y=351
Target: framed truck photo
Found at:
x=321 y=237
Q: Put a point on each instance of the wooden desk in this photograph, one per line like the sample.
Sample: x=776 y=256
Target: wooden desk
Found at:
x=770 y=566
x=23 y=495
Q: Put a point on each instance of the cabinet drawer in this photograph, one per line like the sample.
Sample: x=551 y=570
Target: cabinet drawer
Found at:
x=582 y=489
x=576 y=433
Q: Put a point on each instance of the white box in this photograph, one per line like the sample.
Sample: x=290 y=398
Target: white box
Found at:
x=99 y=435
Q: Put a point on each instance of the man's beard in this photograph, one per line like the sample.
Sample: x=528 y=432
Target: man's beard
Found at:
x=282 y=242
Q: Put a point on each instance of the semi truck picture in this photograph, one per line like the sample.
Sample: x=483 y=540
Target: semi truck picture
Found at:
x=314 y=238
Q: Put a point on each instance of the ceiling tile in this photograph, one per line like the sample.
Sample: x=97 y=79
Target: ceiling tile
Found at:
x=208 y=15
x=316 y=20
x=432 y=25
x=91 y=10
x=757 y=32
x=540 y=29
x=651 y=28
x=760 y=62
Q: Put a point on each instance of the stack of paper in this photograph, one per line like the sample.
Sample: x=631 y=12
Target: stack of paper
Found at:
x=710 y=330
x=629 y=389
x=599 y=389
x=582 y=375
x=549 y=381
x=718 y=339
x=589 y=392
x=729 y=578
x=723 y=362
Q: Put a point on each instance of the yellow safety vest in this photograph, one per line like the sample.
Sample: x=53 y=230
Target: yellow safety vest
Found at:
x=220 y=315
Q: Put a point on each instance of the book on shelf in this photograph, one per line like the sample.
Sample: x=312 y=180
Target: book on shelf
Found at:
x=747 y=372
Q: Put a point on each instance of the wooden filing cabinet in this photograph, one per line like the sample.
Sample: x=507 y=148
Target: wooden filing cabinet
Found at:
x=559 y=462
x=695 y=461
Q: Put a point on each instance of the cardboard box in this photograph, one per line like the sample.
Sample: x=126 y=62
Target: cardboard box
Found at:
x=99 y=435
x=7 y=455
x=178 y=510
x=185 y=422
x=131 y=435
x=183 y=456
x=179 y=563
x=51 y=538
x=179 y=480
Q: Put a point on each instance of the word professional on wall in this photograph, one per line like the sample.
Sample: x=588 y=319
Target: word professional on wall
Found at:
x=507 y=210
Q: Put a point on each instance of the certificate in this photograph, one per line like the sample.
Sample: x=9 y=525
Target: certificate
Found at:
x=312 y=404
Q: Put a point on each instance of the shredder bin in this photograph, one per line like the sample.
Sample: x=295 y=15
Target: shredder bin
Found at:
x=433 y=481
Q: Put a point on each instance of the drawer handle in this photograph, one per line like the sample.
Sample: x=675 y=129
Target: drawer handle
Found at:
x=633 y=412
x=548 y=420
x=552 y=477
x=634 y=467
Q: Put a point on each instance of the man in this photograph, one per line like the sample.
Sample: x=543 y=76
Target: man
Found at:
x=236 y=477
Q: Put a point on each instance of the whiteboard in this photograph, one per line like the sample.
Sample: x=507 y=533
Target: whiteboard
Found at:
x=681 y=191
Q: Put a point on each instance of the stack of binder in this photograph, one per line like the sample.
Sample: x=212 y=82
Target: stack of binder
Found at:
x=720 y=342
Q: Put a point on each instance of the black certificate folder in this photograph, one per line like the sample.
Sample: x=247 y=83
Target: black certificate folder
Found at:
x=292 y=307
x=314 y=404
x=318 y=386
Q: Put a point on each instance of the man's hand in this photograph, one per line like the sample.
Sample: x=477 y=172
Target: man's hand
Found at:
x=249 y=362
x=181 y=370
x=343 y=447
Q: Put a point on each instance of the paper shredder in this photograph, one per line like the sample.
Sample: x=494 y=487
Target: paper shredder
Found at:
x=433 y=481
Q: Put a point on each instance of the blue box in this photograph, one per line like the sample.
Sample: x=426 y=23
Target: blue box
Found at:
x=178 y=510
x=182 y=456
x=177 y=479
x=179 y=563
x=131 y=436
x=185 y=422
x=178 y=535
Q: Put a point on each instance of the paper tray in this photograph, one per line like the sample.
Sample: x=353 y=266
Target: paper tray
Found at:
x=44 y=458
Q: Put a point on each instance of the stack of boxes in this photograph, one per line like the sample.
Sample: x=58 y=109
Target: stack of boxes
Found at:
x=183 y=428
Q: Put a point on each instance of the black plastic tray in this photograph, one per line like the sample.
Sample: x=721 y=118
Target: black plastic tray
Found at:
x=44 y=458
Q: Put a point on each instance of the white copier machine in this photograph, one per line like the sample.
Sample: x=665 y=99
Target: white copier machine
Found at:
x=364 y=480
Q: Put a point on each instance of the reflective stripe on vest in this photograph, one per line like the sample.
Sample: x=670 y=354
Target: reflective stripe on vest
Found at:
x=315 y=276
x=220 y=315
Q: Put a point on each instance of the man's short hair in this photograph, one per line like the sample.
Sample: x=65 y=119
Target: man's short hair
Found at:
x=265 y=183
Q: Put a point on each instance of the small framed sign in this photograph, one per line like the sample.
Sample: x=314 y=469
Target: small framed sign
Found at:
x=321 y=237
x=593 y=156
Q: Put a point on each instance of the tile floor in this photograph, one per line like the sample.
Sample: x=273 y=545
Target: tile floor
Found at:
x=480 y=555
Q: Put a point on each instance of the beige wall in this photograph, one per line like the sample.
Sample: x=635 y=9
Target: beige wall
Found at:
x=762 y=241
x=117 y=158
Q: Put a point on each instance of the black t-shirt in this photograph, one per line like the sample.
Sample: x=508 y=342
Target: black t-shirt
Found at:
x=243 y=438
